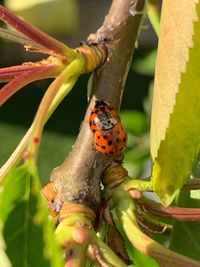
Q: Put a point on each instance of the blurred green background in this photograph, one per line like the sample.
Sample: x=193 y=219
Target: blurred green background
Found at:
x=71 y=21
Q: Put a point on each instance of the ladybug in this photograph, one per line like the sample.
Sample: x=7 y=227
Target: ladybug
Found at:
x=103 y=116
x=111 y=142
x=110 y=136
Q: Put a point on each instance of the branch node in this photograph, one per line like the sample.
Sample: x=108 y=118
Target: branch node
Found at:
x=69 y=208
x=95 y=55
x=114 y=175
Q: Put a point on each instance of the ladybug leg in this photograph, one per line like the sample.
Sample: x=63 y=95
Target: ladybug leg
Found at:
x=94 y=147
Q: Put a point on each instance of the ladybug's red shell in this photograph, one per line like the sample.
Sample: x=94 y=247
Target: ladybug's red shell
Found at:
x=110 y=136
x=103 y=116
x=111 y=142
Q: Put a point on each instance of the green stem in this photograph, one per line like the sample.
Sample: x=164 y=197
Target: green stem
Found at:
x=62 y=93
x=129 y=184
x=125 y=209
x=154 y=221
x=138 y=184
x=78 y=258
x=154 y=15
x=75 y=252
x=107 y=253
x=18 y=152
x=73 y=69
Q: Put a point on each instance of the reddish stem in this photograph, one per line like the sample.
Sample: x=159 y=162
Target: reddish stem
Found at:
x=31 y=32
x=193 y=184
x=178 y=213
x=7 y=74
x=41 y=72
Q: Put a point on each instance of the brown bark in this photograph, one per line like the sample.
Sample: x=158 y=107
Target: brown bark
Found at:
x=78 y=178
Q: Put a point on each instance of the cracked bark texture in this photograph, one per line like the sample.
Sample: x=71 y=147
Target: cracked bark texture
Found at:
x=78 y=178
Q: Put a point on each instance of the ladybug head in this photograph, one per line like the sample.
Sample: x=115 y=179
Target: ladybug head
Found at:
x=100 y=103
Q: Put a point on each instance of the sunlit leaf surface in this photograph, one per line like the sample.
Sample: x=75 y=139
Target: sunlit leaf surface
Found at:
x=27 y=231
x=175 y=127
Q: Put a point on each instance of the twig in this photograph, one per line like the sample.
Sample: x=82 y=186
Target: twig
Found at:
x=193 y=184
x=177 y=213
x=78 y=178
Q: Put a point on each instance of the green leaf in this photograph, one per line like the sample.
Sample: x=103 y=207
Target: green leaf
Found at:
x=27 y=231
x=187 y=243
x=138 y=258
x=175 y=139
x=3 y=257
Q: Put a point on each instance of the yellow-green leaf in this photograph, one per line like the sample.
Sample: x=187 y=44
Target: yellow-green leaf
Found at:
x=27 y=231
x=175 y=138
x=3 y=257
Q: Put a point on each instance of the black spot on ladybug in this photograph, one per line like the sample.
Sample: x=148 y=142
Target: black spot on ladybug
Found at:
x=104 y=137
x=93 y=131
x=96 y=144
x=98 y=136
x=124 y=140
x=103 y=147
x=90 y=123
x=118 y=140
x=110 y=143
x=106 y=154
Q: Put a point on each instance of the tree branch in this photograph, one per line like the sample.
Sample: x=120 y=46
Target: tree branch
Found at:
x=78 y=178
